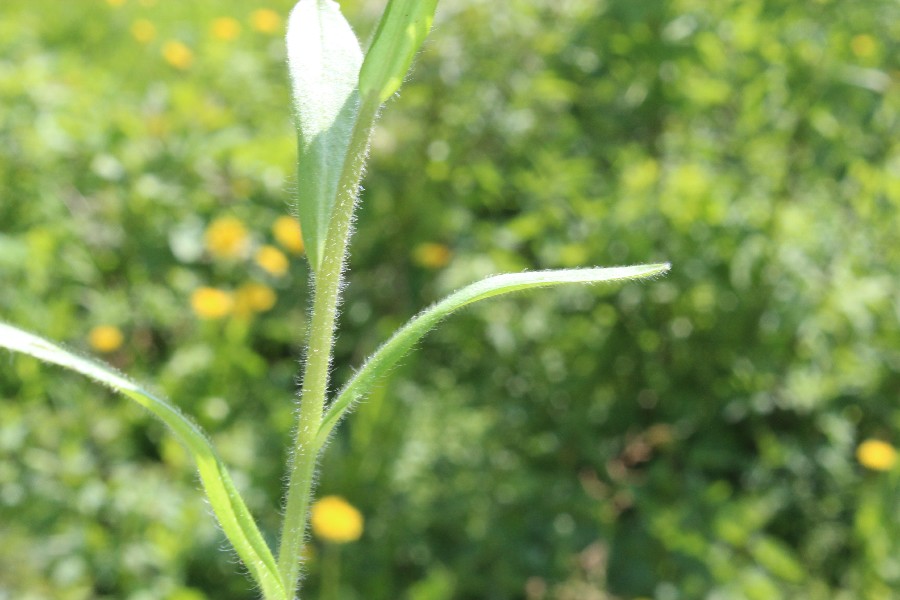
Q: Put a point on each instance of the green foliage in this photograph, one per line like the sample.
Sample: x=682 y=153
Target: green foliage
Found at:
x=659 y=442
x=333 y=132
x=323 y=59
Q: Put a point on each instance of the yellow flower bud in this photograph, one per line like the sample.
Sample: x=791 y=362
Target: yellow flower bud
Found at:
x=226 y=237
x=272 y=260
x=105 y=338
x=335 y=520
x=876 y=455
x=177 y=54
x=265 y=20
x=287 y=233
x=432 y=256
x=226 y=28
x=252 y=298
x=211 y=303
x=143 y=31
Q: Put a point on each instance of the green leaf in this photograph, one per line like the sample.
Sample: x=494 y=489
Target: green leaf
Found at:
x=401 y=32
x=324 y=59
x=228 y=506
x=408 y=335
x=777 y=557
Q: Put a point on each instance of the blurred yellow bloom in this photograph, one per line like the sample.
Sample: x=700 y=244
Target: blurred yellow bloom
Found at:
x=876 y=455
x=157 y=124
x=226 y=237
x=105 y=338
x=211 y=303
x=226 y=28
x=265 y=20
x=177 y=54
x=253 y=297
x=287 y=232
x=272 y=260
x=143 y=31
x=334 y=519
x=863 y=46
x=432 y=256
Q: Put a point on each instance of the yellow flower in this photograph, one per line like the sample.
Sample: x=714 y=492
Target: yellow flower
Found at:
x=265 y=20
x=432 y=256
x=876 y=455
x=226 y=28
x=157 y=125
x=177 y=54
x=335 y=520
x=863 y=46
x=143 y=31
x=105 y=338
x=226 y=237
x=253 y=297
x=211 y=303
x=272 y=260
x=287 y=232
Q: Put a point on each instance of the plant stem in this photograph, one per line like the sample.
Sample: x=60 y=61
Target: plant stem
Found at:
x=331 y=572
x=326 y=290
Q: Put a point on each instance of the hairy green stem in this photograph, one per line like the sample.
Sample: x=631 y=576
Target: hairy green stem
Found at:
x=326 y=289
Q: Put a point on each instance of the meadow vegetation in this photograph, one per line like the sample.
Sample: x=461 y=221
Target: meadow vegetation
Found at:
x=726 y=432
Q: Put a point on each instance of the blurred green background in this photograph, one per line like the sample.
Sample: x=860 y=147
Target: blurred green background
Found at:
x=692 y=437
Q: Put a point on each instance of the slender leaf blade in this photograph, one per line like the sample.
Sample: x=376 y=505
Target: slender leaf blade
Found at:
x=233 y=515
x=407 y=336
x=400 y=33
x=324 y=59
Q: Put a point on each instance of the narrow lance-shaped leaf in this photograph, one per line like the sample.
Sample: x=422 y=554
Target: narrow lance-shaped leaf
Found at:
x=227 y=504
x=401 y=32
x=408 y=335
x=324 y=59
